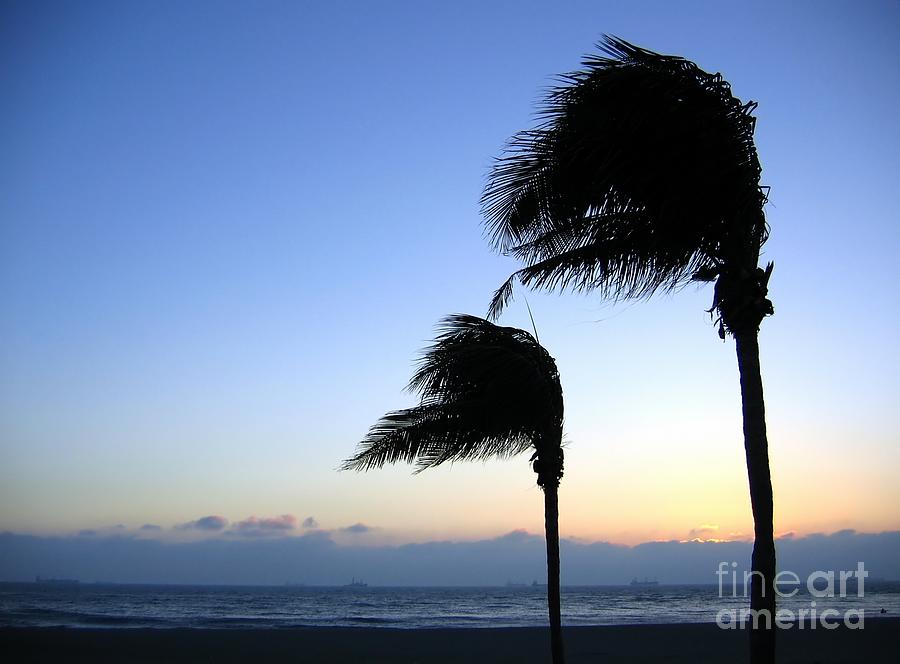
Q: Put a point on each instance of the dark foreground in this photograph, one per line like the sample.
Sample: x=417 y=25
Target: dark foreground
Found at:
x=878 y=642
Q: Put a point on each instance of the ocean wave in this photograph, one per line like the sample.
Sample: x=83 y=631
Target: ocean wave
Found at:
x=372 y=620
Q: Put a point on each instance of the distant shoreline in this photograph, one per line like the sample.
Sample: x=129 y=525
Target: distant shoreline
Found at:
x=671 y=643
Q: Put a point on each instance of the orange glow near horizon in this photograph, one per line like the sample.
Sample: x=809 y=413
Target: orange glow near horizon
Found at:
x=624 y=501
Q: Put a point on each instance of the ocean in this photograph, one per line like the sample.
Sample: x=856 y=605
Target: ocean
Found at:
x=203 y=607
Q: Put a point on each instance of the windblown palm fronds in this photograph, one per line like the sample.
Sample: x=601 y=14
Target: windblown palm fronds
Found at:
x=641 y=174
x=485 y=391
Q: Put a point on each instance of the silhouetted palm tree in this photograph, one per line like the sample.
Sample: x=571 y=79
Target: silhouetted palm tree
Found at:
x=642 y=175
x=485 y=391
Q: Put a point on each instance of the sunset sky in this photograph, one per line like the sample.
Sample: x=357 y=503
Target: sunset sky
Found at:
x=227 y=230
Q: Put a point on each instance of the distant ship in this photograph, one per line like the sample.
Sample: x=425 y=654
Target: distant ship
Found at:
x=645 y=583
x=57 y=582
x=514 y=584
x=356 y=583
x=535 y=584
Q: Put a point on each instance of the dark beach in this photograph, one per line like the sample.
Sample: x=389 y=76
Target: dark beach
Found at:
x=878 y=642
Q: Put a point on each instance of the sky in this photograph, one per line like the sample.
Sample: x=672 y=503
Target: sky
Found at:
x=227 y=230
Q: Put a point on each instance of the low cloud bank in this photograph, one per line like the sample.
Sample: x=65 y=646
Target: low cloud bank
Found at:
x=213 y=523
x=314 y=558
x=357 y=529
x=261 y=527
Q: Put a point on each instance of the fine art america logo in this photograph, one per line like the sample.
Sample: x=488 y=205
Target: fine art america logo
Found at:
x=820 y=585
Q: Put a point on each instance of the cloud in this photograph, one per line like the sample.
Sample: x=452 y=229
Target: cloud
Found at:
x=150 y=527
x=703 y=531
x=213 y=523
x=260 y=527
x=117 y=531
x=357 y=529
x=315 y=558
x=310 y=522
x=518 y=535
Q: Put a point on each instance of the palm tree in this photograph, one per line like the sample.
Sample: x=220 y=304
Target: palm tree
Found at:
x=642 y=175
x=486 y=391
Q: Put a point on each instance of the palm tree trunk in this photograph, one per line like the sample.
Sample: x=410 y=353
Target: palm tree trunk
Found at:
x=756 y=446
x=551 y=528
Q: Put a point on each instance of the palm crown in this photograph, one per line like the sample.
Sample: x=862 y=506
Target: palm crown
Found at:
x=641 y=175
x=485 y=391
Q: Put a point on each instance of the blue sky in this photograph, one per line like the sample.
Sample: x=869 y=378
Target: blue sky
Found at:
x=227 y=228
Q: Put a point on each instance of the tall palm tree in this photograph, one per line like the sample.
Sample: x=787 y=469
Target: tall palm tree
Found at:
x=641 y=176
x=486 y=391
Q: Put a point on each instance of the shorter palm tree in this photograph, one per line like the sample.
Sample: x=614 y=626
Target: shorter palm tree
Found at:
x=486 y=391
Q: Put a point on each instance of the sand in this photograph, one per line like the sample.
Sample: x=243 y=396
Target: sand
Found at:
x=878 y=642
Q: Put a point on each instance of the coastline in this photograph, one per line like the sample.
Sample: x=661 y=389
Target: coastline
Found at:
x=670 y=643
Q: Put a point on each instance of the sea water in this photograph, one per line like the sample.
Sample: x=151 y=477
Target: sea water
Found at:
x=106 y=605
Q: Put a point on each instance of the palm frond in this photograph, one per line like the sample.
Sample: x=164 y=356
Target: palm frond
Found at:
x=485 y=390
x=637 y=149
x=431 y=435
x=501 y=298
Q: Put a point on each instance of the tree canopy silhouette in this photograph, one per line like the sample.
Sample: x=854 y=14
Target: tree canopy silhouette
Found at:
x=486 y=391
x=642 y=175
